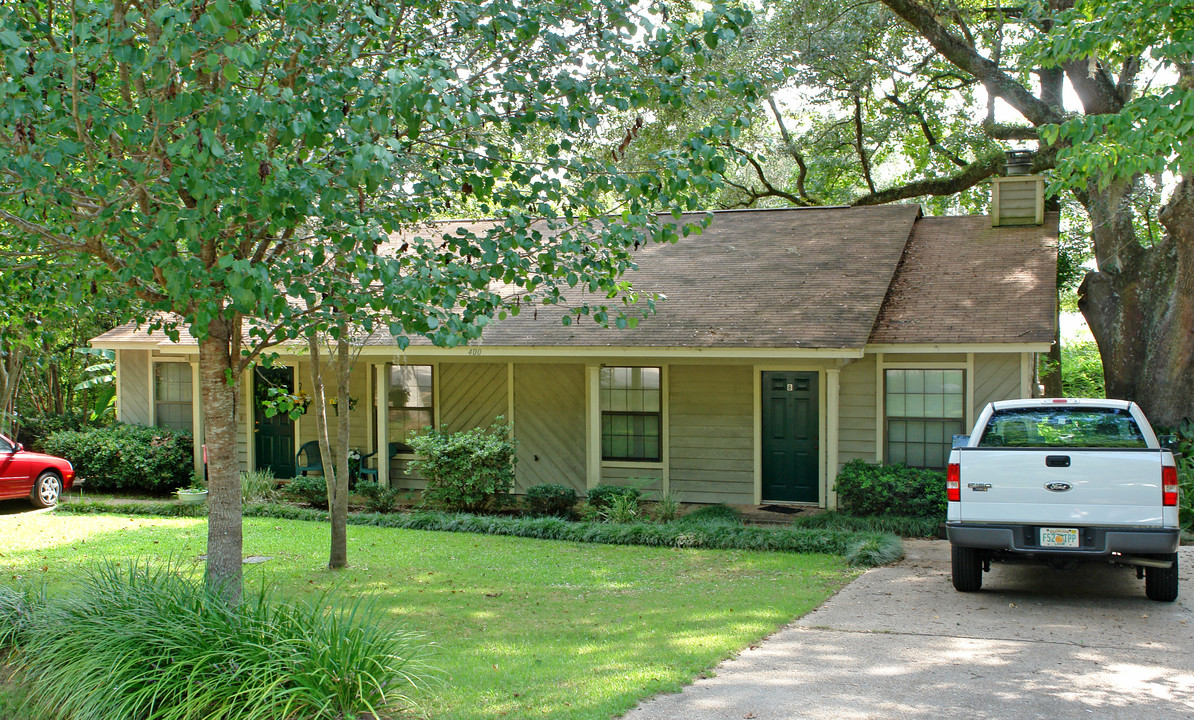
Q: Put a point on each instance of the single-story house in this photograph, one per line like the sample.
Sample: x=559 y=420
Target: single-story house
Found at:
x=791 y=341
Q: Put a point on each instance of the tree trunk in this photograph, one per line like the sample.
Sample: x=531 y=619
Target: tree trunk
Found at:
x=220 y=391
x=335 y=455
x=1140 y=308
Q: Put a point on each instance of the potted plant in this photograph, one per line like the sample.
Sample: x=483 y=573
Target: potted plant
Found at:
x=193 y=494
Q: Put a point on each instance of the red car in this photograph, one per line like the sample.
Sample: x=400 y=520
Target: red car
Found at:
x=23 y=474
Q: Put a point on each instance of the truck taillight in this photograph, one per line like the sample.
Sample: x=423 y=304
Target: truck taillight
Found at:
x=953 y=482
x=1169 y=486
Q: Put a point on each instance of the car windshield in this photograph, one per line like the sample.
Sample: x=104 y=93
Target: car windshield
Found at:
x=1062 y=427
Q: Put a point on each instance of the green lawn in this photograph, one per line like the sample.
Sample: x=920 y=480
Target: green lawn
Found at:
x=522 y=628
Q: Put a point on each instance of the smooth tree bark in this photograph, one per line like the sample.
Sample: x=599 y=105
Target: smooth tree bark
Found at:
x=334 y=448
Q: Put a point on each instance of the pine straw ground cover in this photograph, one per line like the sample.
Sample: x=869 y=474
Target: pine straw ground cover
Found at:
x=521 y=627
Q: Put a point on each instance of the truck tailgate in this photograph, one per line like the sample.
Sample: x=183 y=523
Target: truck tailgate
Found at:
x=1105 y=486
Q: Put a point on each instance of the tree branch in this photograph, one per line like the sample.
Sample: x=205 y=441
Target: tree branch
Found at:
x=971 y=175
x=793 y=152
x=967 y=58
x=858 y=146
x=927 y=131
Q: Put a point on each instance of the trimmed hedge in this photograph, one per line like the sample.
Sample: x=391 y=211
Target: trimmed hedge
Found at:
x=127 y=457
x=551 y=500
x=858 y=548
x=867 y=489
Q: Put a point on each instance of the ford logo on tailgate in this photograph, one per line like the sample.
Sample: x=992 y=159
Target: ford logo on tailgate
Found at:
x=1058 y=486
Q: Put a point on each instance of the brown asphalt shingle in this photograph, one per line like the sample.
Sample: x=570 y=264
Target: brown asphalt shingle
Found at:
x=800 y=278
x=963 y=281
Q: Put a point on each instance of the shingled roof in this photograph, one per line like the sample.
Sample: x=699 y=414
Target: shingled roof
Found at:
x=813 y=278
x=963 y=281
x=791 y=278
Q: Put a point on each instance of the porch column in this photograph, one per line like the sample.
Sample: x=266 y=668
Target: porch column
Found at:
x=593 y=426
x=832 y=420
x=197 y=419
x=382 y=385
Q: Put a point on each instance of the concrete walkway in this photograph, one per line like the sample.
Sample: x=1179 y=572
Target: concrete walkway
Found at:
x=899 y=642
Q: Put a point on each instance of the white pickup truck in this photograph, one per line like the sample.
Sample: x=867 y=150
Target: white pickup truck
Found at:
x=1064 y=481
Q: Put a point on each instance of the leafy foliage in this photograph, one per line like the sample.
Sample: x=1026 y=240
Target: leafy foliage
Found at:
x=868 y=489
x=713 y=514
x=310 y=489
x=465 y=470
x=258 y=485
x=549 y=499
x=667 y=508
x=148 y=643
x=127 y=457
x=378 y=499
x=602 y=496
x=901 y=525
x=1082 y=370
x=622 y=509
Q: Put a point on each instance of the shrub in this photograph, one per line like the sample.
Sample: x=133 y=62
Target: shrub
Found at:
x=550 y=500
x=378 y=499
x=145 y=643
x=1082 y=370
x=867 y=489
x=713 y=515
x=602 y=496
x=127 y=457
x=310 y=489
x=32 y=430
x=465 y=470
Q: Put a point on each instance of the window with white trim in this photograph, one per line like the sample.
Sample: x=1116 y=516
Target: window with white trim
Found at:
x=411 y=405
x=172 y=396
x=924 y=410
x=631 y=413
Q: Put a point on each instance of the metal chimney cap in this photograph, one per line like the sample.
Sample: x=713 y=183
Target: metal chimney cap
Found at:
x=1019 y=162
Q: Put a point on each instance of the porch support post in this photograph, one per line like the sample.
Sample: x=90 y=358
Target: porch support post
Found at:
x=593 y=426
x=382 y=385
x=832 y=420
x=197 y=419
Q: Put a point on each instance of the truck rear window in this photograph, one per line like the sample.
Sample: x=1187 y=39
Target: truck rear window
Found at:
x=1062 y=427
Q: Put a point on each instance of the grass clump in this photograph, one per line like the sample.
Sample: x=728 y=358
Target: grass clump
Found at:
x=909 y=527
x=713 y=515
x=147 y=643
x=258 y=485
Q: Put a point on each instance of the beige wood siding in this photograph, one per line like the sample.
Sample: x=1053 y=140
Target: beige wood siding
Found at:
x=996 y=377
x=649 y=480
x=856 y=437
x=712 y=432
x=135 y=405
x=549 y=423
x=471 y=395
x=926 y=359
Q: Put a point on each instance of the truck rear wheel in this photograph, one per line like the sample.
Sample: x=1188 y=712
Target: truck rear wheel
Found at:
x=967 y=569
x=1160 y=584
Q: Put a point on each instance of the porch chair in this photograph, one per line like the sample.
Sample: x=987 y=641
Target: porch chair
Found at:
x=370 y=473
x=308 y=459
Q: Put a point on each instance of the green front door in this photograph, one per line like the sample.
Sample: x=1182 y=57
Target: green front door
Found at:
x=790 y=463
x=273 y=437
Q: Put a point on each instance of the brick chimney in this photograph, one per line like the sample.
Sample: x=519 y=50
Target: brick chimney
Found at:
x=1018 y=198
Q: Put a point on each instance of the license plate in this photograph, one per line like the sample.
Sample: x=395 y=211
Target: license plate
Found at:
x=1059 y=537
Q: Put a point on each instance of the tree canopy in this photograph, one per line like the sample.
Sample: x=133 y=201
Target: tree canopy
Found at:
x=217 y=157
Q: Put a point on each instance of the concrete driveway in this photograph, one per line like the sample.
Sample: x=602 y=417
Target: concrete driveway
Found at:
x=900 y=643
